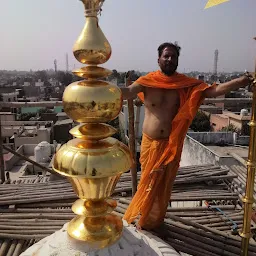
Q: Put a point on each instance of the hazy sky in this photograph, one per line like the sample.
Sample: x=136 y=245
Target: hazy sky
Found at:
x=35 y=32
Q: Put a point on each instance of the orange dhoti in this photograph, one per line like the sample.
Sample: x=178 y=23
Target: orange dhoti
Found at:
x=153 y=181
x=160 y=158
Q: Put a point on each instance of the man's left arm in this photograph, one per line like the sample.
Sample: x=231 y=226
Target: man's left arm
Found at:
x=225 y=88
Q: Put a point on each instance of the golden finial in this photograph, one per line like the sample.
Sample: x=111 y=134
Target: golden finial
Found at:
x=93 y=161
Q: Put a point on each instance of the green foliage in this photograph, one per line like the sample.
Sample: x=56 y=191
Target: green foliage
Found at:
x=65 y=78
x=41 y=74
x=26 y=116
x=230 y=128
x=201 y=122
x=44 y=110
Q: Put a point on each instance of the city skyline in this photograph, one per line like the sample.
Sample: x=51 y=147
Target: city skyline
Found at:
x=37 y=40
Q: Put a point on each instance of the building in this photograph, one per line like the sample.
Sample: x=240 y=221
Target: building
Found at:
x=19 y=167
x=61 y=130
x=227 y=118
x=10 y=97
x=39 y=83
x=17 y=133
x=32 y=135
x=211 y=109
x=7 y=116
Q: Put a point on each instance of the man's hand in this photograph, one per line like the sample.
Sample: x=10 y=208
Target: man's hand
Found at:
x=138 y=102
x=246 y=79
x=131 y=91
x=225 y=88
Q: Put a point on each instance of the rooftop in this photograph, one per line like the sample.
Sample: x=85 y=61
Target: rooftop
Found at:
x=227 y=150
x=236 y=116
x=192 y=229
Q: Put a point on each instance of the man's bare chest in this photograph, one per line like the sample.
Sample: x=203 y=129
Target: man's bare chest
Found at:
x=155 y=97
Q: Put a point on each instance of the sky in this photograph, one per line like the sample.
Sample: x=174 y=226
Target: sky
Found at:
x=34 y=32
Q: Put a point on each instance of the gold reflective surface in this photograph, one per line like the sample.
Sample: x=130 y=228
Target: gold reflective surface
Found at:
x=93 y=162
x=94 y=208
x=92 y=131
x=92 y=101
x=89 y=159
x=92 y=6
x=92 y=72
x=94 y=189
x=98 y=231
x=248 y=199
x=92 y=47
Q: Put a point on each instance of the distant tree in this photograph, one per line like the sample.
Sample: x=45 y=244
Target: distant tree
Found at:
x=26 y=116
x=44 y=110
x=42 y=74
x=201 y=122
x=64 y=77
x=133 y=75
x=121 y=78
x=230 y=128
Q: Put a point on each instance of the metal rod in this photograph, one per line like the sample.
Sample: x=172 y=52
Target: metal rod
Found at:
x=132 y=144
x=2 y=177
x=251 y=166
x=29 y=160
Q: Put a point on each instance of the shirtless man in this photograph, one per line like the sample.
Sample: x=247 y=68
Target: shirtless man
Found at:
x=161 y=145
x=161 y=105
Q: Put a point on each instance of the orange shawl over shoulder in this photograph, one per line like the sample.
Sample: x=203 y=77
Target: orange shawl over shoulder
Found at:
x=160 y=158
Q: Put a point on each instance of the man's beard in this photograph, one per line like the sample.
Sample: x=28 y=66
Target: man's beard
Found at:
x=169 y=70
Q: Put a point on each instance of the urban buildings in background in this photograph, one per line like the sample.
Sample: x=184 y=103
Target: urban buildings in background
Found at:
x=25 y=125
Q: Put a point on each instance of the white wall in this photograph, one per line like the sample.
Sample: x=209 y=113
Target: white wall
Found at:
x=13 y=159
x=212 y=137
x=195 y=153
x=9 y=97
x=43 y=134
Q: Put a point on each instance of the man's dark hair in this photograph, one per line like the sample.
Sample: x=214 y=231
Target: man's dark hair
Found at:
x=171 y=45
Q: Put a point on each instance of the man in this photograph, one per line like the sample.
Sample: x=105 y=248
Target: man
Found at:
x=171 y=101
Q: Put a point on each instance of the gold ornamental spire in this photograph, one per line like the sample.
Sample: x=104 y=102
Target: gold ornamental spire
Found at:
x=251 y=168
x=93 y=161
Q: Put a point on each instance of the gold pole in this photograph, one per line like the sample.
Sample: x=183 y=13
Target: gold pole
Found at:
x=2 y=170
x=251 y=166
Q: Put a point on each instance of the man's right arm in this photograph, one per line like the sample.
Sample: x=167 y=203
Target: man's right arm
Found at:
x=131 y=91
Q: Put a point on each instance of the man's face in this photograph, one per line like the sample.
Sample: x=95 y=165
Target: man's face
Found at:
x=168 y=61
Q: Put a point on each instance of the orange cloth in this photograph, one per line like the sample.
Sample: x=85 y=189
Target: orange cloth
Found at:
x=160 y=158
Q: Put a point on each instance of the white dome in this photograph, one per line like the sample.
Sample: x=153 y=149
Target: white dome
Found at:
x=132 y=243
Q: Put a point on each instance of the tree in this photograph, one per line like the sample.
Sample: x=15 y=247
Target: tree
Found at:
x=201 y=122
x=65 y=78
x=26 y=116
x=230 y=128
x=44 y=110
x=42 y=74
